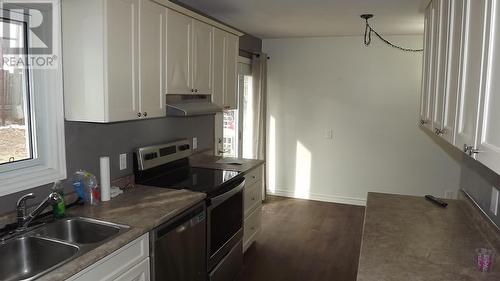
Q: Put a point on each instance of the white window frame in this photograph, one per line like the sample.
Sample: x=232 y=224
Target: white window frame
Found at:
x=46 y=97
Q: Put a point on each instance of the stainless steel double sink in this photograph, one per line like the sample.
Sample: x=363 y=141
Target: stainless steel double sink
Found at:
x=29 y=255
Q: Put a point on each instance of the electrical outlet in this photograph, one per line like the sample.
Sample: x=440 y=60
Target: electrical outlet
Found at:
x=123 y=161
x=450 y=194
x=195 y=143
x=494 y=201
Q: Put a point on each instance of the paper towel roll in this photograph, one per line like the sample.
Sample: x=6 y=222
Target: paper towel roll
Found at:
x=105 y=180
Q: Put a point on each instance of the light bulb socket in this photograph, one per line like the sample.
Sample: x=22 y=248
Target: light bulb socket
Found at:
x=366 y=16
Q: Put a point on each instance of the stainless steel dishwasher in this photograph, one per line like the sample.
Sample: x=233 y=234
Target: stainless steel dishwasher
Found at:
x=178 y=247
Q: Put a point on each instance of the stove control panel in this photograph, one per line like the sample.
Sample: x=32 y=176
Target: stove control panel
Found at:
x=156 y=155
x=150 y=156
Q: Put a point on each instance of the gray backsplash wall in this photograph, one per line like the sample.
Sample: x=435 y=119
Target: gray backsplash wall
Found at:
x=86 y=142
x=477 y=180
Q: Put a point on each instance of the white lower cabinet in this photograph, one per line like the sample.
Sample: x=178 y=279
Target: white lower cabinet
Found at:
x=252 y=227
x=130 y=262
x=252 y=206
x=140 y=272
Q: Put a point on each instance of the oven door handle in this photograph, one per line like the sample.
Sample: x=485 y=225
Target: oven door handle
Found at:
x=223 y=197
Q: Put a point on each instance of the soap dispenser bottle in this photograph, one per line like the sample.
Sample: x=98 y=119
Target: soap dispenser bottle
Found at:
x=59 y=209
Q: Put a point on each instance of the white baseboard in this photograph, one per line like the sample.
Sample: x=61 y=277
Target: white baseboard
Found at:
x=320 y=197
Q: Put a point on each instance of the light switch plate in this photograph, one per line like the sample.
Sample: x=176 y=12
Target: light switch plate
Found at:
x=494 y=201
x=329 y=134
x=123 y=161
x=195 y=143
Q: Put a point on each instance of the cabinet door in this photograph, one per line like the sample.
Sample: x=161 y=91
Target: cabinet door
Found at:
x=152 y=51
x=178 y=60
x=426 y=101
x=231 y=79
x=441 y=62
x=453 y=70
x=202 y=57
x=489 y=132
x=219 y=67
x=122 y=59
x=472 y=71
x=139 y=272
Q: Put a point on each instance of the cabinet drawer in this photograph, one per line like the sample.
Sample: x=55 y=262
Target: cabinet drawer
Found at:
x=139 y=272
x=116 y=263
x=254 y=175
x=252 y=197
x=251 y=227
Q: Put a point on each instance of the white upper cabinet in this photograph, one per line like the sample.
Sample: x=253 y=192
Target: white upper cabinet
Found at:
x=452 y=74
x=489 y=125
x=152 y=56
x=189 y=55
x=434 y=45
x=122 y=61
x=231 y=61
x=466 y=98
x=226 y=47
x=121 y=57
x=473 y=52
x=179 y=53
x=441 y=47
x=219 y=67
x=202 y=57
x=114 y=72
x=427 y=68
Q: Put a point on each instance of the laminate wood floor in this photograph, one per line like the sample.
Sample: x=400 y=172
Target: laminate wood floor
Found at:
x=304 y=240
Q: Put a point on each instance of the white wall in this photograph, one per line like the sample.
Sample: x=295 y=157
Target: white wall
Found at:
x=369 y=97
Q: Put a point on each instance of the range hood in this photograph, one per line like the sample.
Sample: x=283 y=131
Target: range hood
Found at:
x=191 y=105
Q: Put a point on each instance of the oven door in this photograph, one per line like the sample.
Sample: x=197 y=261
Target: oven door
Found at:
x=225 y=223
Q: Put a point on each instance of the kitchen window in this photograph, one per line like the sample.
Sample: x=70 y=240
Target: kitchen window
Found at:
x=16 y=134
x=32 y=148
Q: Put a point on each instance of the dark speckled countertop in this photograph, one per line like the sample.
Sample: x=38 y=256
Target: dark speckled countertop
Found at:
x=408 y=238
x=141 y=208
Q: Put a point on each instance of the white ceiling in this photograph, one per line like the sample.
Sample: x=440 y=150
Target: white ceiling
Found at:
x=304 y=18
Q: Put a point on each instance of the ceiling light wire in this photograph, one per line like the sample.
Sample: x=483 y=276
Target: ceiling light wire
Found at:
x=368 y=36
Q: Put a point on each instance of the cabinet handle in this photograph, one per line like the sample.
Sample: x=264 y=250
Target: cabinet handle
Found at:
x=196 y=90
x=469 y=149
x=439 y=132
x=423 y=122
x=139 y=114
x=145 y=114
x=192 y=90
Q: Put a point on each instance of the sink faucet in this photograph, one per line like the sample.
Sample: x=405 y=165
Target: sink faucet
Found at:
x=23 y=220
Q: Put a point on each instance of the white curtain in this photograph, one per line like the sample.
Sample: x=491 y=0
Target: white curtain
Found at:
x=259 y=76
